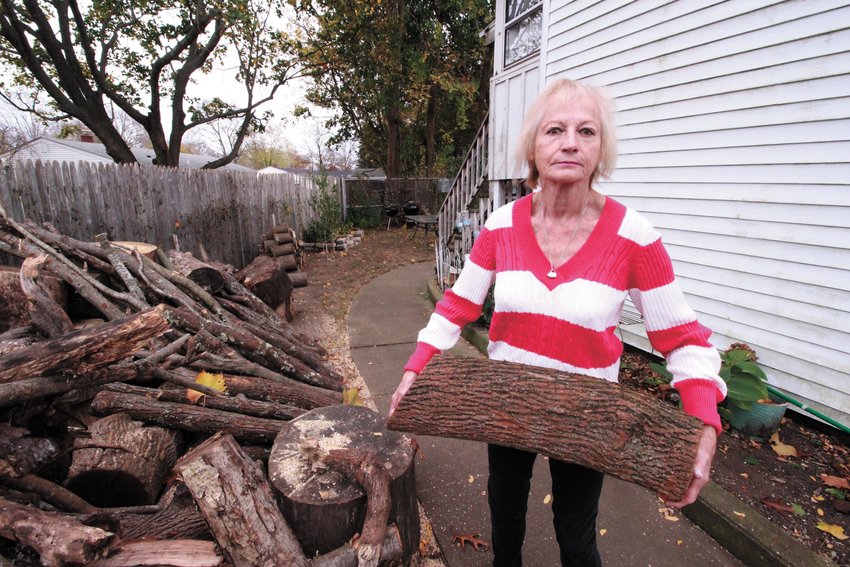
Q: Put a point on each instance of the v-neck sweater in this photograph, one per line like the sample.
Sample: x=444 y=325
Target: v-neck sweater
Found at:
x=569 y=322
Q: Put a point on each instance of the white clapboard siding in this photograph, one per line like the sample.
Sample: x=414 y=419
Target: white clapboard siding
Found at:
x=734 y=141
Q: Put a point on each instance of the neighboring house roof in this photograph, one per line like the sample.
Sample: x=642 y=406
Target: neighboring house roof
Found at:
x=56 y=149
x=271 y=169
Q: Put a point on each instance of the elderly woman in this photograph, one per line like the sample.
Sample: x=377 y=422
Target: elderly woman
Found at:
x=563 y=261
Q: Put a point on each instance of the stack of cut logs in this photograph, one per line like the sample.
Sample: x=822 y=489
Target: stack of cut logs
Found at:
x=281 y=244
x=96 y=415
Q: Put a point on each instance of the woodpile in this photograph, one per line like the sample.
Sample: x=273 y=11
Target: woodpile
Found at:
x=132 y=437
x=280 y=243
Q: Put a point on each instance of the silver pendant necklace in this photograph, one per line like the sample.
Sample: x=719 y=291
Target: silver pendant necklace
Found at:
x=552 y=273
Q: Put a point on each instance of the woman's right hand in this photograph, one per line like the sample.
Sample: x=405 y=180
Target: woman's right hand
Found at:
x=403 y=386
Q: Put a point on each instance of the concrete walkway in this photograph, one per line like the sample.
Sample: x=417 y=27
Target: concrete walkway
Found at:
x=384 y=320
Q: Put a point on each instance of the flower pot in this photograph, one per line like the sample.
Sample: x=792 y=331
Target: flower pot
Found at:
x=760 y=422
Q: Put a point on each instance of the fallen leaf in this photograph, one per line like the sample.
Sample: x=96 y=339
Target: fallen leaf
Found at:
x=470 y=479
x=739 y=514
x=835 y=481
x=798 y=510
x=669 y=514
x=818 y=498
x=351 y=397
x=836 y=493
x=547 y=498
x=751 y=460
x=744 y=475
x=678 y=542
x=842 y=506
x=781 y=448
x=778 y=506
x=820 y=512
x=602 y=532
x=833 y=530
x=204 y=378
x=471 y=539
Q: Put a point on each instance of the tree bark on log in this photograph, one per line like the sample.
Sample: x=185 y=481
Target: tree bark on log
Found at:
x=266 y=278
x=239 y=506
x=57 y=538
x=47 y=314
x=187 y=417
x=13 y=302
x=326 y=508
x=298 y=279
x=282 y=249
x=178 y=517
x=289 y=392
x=255 y=349
x=206 y=276
x=176 y=553
x=123 y=462
x=283 y=237
x=240 y=405
x=589 y=421
x=85 y=350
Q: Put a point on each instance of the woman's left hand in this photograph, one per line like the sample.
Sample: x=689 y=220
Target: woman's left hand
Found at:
x=702 y=467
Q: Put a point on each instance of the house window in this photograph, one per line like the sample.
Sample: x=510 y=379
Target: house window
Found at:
x=522 y=29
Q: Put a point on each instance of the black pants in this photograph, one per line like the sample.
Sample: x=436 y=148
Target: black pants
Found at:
x=575 y=504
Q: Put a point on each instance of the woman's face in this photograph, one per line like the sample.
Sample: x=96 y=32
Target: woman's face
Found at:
x=568 y=140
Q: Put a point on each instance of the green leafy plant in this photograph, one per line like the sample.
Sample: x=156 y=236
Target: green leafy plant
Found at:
x=746 y=382
x=325 y=204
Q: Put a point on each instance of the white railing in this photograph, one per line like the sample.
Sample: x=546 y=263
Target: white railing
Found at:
x=455 y=209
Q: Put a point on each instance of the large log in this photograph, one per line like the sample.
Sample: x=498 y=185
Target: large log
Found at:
x=235 y=498
x=85 y=350
x=59 y=539
x=326 y=508
x=187 y=417
x=123 y=462
x=266 y=278
x=206 y=276
x=13 y=302
x=598 y=424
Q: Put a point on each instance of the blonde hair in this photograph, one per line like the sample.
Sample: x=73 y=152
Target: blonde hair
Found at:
x=564 y=89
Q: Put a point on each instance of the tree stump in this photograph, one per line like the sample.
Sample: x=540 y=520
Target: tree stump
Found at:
x=589 y=421
x=123 y=463
x=324 y=507
x=203 y=274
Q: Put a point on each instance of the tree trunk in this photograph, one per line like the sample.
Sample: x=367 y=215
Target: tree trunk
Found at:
x=589 y=421
x=85 y=350
x=46 y=314
x=206 y=276
x=122 y=463
x=187 y=417
x=59 y=539
x=238 y=504
x=326 y=508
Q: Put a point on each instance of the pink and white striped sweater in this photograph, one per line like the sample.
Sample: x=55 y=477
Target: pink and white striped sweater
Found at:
x=569 y=322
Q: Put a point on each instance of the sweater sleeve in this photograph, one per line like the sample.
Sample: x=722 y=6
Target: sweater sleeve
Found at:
x=674 y=331
x=459 y=306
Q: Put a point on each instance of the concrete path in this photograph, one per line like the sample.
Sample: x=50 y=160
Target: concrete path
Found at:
x=384 y=320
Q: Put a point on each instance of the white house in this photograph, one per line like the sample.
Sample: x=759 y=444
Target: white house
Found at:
x=56 y=149
x=734 y=127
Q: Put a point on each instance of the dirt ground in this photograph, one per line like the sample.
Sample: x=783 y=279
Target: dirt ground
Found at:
x=790 y=491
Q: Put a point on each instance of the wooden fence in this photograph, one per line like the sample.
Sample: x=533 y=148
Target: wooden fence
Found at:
x=225 y=211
